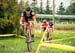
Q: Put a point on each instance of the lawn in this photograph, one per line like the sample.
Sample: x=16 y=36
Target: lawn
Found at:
x=53 y=50
x=18 y=45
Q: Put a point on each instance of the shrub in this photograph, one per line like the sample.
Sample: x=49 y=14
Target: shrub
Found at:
x=6 y=26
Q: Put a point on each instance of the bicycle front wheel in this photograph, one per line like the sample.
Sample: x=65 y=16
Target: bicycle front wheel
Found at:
x=29 y=45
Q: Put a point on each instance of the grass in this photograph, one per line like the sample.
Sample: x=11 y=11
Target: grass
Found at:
x=70 y=42
x=17 y=45
x=63 y=34
x=53 y=50
x=65 y=26
x=12 y=45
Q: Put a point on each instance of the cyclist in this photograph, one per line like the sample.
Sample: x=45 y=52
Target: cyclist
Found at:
x=28 y=16
x=43 y=28
x=50 y=29
x=44 y=25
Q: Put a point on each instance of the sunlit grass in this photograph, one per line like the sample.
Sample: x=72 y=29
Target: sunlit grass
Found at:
x=18 y=45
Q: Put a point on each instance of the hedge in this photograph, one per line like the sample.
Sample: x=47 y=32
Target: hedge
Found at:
x=6 y=26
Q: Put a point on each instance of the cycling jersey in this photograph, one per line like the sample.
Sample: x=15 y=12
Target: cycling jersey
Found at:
x=43 y=26
x=28 y=17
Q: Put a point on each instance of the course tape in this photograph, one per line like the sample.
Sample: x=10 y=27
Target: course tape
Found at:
x=39 y=46
x=59 y=46
x=7 y=35
x=59 y=39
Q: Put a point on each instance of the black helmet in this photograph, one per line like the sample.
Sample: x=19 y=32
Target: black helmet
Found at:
x=51 y=23
x=28 y=9
x=44 y=21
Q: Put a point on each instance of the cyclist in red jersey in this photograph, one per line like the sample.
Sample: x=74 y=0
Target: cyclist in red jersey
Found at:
x=50 y=29
x=44 y=25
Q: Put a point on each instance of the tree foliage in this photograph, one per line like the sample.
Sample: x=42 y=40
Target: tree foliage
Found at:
x=48 y=10
x=71 y=9
x=61 y=10
x=41 y=7
x=10 y=9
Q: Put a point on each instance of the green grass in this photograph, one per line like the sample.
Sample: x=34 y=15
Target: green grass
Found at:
x=17 y=45
x=70 y=42
x=12 y=45
x=63 y=34
x=53 y=50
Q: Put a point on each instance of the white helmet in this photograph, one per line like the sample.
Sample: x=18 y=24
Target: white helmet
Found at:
x=44 y=21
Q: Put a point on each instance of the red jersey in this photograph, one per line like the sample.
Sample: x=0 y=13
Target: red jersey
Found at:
x=44 y=25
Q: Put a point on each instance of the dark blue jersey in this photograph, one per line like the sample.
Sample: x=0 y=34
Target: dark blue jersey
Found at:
x=27 y=17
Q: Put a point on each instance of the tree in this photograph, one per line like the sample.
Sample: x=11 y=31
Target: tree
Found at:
x=71 y=9
x=10 y=10
x=41 y=7
x=1 y=11
x=37 y=10
x=61 y=10
x=3 y=8
x=48 y=10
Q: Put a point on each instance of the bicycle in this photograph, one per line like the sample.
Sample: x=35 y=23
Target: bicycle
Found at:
x=28 y=36
x=27 y=32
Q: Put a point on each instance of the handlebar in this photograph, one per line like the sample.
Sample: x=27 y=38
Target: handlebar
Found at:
x=28 y=23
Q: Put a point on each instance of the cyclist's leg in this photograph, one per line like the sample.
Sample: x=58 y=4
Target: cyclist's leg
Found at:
x=47 y=35
x=32 y=32
x=50 y=35
x=21 y=32
x=25 y=32
x=42 y=31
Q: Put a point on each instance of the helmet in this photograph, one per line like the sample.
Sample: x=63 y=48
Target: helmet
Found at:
x=44 y=21
x=28 y=9
x=51 y=23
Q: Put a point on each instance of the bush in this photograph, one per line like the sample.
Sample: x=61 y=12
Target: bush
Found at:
x=6 y=26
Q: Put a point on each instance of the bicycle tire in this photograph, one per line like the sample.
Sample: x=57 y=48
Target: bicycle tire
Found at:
x=29 y=46
x=29 y=41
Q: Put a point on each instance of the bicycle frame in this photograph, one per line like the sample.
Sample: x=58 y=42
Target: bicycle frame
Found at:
x=28 y=27
x=28 y=38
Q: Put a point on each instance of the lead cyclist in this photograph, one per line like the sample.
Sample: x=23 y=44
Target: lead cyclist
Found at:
x=28 y=16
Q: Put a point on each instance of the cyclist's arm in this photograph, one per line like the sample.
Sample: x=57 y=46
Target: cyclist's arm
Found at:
x=52 y=28
x=34 y=17
x=21 y=19
x=41 y=27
